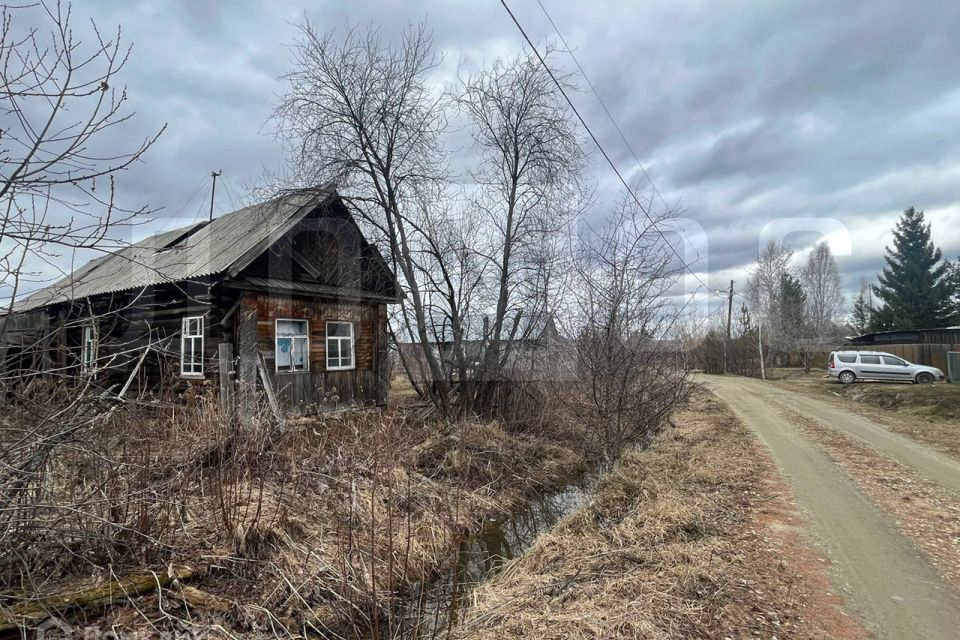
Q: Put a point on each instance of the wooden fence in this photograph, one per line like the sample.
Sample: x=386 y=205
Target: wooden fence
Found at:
x=932 y=355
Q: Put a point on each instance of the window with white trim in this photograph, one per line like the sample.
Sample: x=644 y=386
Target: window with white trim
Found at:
x=191 y=346
x=88 y=352
x=340 y=346
x=292 y=345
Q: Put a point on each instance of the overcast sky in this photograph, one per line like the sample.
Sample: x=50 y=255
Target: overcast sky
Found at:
x=743 y=112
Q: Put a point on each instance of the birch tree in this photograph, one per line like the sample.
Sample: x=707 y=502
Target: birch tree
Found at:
x=763 y=291
x=824 y=293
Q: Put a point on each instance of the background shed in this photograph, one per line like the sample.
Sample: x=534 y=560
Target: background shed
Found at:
x=922 y=346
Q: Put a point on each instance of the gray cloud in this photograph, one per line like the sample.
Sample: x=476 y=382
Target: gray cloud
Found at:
x=743 y=112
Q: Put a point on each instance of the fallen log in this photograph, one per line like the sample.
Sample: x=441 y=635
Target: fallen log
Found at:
x=202 y=600
x=30 y=614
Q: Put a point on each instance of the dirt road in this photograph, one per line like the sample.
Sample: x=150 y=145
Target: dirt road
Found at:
x=886 y=583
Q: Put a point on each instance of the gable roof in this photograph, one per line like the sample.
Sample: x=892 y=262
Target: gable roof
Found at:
x=934 y=335
x=228 y=243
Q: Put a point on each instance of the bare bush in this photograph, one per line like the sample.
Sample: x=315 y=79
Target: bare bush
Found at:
x=630 y=378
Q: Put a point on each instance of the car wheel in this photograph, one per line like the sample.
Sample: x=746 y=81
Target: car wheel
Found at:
x=846 y=377
x=924 y=378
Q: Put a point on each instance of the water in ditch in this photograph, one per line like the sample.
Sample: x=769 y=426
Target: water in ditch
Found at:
x=433 y=608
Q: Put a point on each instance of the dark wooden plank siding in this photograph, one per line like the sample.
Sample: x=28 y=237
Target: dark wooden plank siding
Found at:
x=932 y=355
x=126 y=322
x=298 y=391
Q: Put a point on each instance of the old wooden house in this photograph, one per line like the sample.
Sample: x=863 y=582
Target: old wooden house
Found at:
x=290 y=287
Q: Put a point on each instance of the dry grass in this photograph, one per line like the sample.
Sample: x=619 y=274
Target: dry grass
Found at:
x=318 y=525
x=670 y=547
x=926 y=413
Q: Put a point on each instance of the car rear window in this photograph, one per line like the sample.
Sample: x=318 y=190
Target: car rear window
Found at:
x=847 y=357
x=869 y=359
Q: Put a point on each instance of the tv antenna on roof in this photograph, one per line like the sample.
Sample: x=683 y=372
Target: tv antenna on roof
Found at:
x=213 y=191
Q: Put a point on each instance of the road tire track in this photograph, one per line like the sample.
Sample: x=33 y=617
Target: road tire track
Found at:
x=893 y=590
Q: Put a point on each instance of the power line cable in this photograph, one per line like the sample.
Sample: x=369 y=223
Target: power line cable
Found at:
x=225 y=181
x=613 y=121
x=596 y=93
x=605 y=155
x=177 y=213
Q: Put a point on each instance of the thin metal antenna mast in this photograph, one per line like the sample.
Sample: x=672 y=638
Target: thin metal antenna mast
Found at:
x=213 y=191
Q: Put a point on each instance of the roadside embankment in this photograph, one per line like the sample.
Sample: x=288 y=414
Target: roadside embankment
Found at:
x=692 y=537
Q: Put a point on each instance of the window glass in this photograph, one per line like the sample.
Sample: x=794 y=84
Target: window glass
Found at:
x=847 y=357
x=89 y=354
x=891 y=360
x=291 y=327
x=869 y=359
x=339 y=329
x=283 y=352
x=340 y=345
x=191 y=346
x=292 y=345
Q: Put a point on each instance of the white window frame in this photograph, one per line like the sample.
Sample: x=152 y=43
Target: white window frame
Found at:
x=88 y=348
x=341 y=339
x=193 y=338
x=302 y=336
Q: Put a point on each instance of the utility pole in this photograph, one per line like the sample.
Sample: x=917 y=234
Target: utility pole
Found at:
x=213 y=191
x=729 y=316
x=763 y=370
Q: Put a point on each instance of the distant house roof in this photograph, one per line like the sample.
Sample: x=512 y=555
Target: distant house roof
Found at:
x=940 y=335
x=540 y=327
x=228 y=243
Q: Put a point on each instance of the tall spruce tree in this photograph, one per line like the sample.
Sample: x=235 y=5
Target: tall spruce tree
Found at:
x=791 y=307
x=913 y=286
x=862 y=317
x=953 y=290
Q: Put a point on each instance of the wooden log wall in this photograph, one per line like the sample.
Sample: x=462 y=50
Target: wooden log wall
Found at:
x=128 y=321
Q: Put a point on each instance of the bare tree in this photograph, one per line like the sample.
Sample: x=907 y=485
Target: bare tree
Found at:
x=360 y=113
x=763 y=290
x=453 y=273
x=530 y=182
x=821 y=282
x=60 y=102
x=64 y=108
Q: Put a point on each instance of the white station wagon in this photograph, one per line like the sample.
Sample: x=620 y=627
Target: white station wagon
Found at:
x=850 y=366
